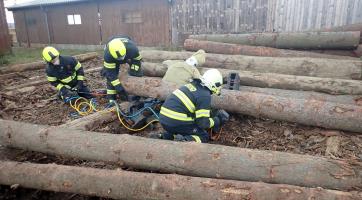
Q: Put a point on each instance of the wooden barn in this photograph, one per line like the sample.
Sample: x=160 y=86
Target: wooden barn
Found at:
x=92 y=21
x=4 y=31
x=165 y=22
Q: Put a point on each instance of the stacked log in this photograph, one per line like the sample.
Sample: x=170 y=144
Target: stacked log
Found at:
x=238 y=49
x=327 y=68
x=41 y=64
x=305 y=111
x=272 y=80
x=298 y=40
x=193 y=159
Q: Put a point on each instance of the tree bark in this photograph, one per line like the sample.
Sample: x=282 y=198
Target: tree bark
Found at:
x=193 y=159
x=239 y=49
x=116 y=184
x=41 y=64
x=355 y=53
x=272 y=80
x=328 y=68
x=348 y=27
x=297 y=40
x=305 y=111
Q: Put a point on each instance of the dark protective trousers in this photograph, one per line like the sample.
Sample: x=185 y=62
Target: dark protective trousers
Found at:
x=188 y=131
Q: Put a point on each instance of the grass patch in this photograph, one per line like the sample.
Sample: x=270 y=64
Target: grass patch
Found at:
x=26 y=55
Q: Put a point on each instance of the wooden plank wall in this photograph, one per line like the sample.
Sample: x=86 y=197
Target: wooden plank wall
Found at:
x=301 y=15
x=4 y=31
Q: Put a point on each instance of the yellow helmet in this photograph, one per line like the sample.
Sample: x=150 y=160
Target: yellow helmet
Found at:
x=50 y=53
x=117 y=49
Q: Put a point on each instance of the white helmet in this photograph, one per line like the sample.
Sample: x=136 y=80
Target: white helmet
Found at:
x=212 y=79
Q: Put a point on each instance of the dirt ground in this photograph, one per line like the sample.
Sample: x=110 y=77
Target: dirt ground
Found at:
x=41 y=106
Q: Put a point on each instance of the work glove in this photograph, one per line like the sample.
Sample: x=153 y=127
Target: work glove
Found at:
x=135 y=70
x=179 y=138
x=122 y=92
x=223 y=116
x=67 y=94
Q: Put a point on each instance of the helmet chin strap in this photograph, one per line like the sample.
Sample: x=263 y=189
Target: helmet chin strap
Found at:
x=192 y=61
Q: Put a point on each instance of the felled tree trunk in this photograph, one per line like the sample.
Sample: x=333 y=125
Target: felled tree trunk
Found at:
x=194 y=159
x=287 y=40
x=239 y=49
x=41 y=64
x=305 y=111
x=116 y=184
x=328 y=68
x=272 y=80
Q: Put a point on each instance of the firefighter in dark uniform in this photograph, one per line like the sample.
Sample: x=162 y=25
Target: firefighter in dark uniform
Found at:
x=186 y=113
x=66 y=74
x=120 y=50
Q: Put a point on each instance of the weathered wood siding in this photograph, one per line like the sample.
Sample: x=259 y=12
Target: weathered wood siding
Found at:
x=238 y=16
x=300 y=15
x=4 y=31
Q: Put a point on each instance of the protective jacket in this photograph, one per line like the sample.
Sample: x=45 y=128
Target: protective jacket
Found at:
x=65 y=75
x=112 y=65
x=190 y=104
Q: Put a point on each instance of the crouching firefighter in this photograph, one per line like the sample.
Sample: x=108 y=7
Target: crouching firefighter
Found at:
x=66 y=74
x=185 y=115
x=120 y=50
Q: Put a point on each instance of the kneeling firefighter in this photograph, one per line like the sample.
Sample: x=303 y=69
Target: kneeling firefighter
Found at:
x=186 y=113
x=66 y=74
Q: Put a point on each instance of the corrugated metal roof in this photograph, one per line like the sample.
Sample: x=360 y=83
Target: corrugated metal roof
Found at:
x=41 y=3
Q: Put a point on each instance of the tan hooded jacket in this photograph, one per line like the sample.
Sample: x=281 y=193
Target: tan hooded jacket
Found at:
x=183 y=71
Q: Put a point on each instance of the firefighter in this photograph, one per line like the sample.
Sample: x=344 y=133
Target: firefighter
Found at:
x=183 y=72
x=66 y=74
x=185 y=115
x=120 y=50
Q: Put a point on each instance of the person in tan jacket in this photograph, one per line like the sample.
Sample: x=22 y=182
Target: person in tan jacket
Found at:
x=183 y=72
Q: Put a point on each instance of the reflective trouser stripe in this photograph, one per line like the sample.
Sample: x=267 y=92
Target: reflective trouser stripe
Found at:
x=111 y=92
x=138 y=57
x=80 y=78
x=115 y=82
x=196 y=138
x=185 y=100
x=175 y=115
x=135 y=67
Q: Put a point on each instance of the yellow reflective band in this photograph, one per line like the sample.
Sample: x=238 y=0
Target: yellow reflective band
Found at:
x=138 y=57
x=109 y=65
x=51 y=78
x=197 y=138
x=67 y=80
x=175 y=115
x=59 y=86
x=111 y=92
x=115 y=82
x=78 y=66
x=202 y=113
x=135 y=67
x=185 y=100
x=212 y=123
x=80 y=78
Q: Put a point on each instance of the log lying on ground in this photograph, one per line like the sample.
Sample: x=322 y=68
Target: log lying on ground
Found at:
x=202 y=160
x=348 y=27
x=272 y=80
x=238 y=49
x=329 y=68
x=297 y=40
x=352 y=53
x=43 y=80
x=94 y=120
x=116 y=184
x=41 y=64
x=303 y=111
